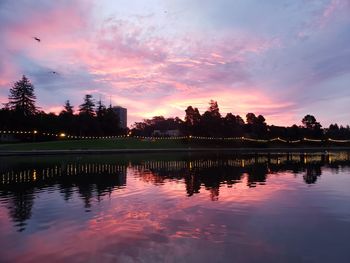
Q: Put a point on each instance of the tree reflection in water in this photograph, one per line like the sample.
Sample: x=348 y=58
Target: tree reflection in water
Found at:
x=95 y=178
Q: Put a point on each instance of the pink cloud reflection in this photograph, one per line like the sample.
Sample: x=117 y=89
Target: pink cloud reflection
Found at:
x=135 y=225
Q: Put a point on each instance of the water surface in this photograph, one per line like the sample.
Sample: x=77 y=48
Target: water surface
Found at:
x=176 y=208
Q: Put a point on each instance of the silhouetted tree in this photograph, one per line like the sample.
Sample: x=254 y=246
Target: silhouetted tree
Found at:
x=211 y=122
x=192 y=117
x=312 y=128
x=333 y=127
x=192 y=121
x=256 y=125
x=233 y=125
x=251 y=118
x=22 y=97
x=67 y=119
x=87 y=108
x=88 y=125
x=214 y=109
x=261 y=120
x=100 y=110
x=68 y=109
x=309 y=122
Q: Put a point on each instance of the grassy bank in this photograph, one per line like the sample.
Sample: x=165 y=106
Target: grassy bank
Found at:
x=133 y=143
x=97 y=144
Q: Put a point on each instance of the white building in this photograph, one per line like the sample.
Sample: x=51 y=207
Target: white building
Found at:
x=166 y=133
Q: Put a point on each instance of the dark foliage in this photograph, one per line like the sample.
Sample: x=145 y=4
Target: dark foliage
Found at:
x=212 y=124
x=22 y=98
x=21 y=114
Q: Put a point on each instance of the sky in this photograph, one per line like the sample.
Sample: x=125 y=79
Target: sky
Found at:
x=281 y=59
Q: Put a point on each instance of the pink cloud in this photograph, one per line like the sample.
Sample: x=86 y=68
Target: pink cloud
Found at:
x=331 y=10
x=148 y=73
x=334 y=9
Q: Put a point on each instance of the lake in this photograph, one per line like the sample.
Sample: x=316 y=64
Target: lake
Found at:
x=199 y=207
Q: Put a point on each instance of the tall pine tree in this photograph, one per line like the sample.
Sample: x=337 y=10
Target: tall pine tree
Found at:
x=22 y=97
x=87 y=108
x=68 y=109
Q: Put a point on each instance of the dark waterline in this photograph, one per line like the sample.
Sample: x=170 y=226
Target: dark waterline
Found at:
x=179 y=207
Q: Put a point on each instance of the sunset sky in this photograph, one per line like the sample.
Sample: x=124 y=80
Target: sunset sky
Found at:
x=281 y=59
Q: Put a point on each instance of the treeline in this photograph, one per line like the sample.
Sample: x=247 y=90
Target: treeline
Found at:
x=22 y=114
x=212 y=124
x=95 y=119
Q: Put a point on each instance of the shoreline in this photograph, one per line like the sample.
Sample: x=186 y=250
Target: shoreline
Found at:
x=169 y=150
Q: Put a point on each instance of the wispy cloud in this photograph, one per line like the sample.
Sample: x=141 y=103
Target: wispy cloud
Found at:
x=280 y=59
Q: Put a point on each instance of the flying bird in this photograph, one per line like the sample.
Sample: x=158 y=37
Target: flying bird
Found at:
x=37 y=39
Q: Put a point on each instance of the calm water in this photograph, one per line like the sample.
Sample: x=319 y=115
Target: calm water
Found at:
x=176 y=208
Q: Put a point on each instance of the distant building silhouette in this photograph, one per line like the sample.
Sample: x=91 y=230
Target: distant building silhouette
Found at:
x=122 y=114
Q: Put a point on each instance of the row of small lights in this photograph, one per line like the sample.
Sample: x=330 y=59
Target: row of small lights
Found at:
x=63 y=135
